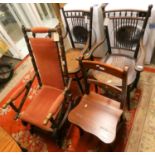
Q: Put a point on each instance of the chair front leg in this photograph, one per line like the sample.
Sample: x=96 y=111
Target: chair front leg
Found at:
x=128 y=97
x=136 y=80
x=79 y=83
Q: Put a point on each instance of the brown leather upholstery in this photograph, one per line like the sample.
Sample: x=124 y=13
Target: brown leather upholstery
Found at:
x=41 y=105
x=53 y=95
x=47 y=60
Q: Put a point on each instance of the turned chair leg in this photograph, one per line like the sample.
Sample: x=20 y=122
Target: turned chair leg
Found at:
x=79 y=83
x=137 y=79
x=128 y=98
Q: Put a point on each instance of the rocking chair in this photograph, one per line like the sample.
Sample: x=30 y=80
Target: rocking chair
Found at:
x=48 y=109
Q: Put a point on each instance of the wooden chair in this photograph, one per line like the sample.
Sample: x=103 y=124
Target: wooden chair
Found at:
x=79 y=29
x=48 y=110
x=124 y=30
x=96 y=113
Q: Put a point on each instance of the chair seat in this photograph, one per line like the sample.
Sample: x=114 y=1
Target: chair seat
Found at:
x=119 y=61
x=72 y=62
x=97 y=115
x=37 y=110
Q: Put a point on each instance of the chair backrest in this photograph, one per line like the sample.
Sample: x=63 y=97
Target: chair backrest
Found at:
x=79 y=26
x=45 y=47
x=124 y=28
x=119 y=73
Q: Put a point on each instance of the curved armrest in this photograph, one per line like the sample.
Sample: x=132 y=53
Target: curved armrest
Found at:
x=92 y=50
x=60 y=99
x=19 y=91
x=54 y=108
x=66 y=32
x=141 y=58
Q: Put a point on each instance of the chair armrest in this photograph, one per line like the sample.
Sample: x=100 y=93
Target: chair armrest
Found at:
x=66 y=32
x=52 y=111
x=19 y=91
x=92 y=50
x=54 y=108
x=85 y=51
x=141 y=58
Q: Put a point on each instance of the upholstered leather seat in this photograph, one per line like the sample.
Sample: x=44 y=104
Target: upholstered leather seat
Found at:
x=45 y=100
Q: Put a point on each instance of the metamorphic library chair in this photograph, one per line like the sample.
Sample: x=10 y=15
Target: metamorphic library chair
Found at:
x=97 y=113
x=124 y=30
x=48 y=109
x=79 y=29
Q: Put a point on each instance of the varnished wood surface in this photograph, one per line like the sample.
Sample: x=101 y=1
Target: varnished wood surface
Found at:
x=120 y=62
x=97 y=115
x=7 y=143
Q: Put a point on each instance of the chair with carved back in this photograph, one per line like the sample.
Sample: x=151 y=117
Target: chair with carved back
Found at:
x=49 y=108
x=97 y=113
x=124 y=30
x=79 y=29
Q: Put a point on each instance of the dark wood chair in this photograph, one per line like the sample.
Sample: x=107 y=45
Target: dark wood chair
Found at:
x=96 y=113
x=79 y=29
x=124 y=30
x=48 y=109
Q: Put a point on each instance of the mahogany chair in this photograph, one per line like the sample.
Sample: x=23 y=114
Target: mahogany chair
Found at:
x=124 y=30
x=48 y=109
x=96 y=113
x=79 y=29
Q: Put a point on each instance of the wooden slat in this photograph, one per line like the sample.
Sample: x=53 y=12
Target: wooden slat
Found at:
x=104 y=68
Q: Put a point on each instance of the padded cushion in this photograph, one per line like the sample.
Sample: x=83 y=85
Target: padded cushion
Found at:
x=37 y=110
x=120 y=62
x=46 y=55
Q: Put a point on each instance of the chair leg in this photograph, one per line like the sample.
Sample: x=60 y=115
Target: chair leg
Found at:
x=137 y=79
x=79 y=83
x=128 y=98
x=24 y=123
x=32 y=129
x=96 y=89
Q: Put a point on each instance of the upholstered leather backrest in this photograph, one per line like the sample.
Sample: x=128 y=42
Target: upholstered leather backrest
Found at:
x=46 y=55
